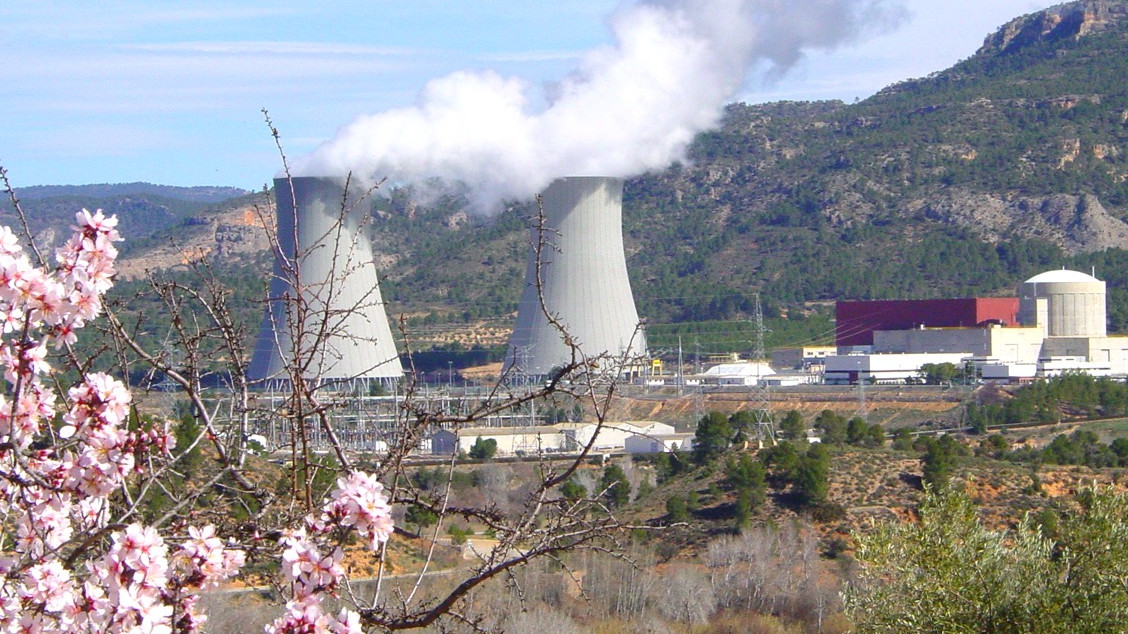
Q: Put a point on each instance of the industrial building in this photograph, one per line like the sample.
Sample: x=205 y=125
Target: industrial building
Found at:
x=1056 y=325
x=324 y=307
x=577 y=265
x=738 y=373
x=661 y=443
x=611 y=435
x=856 y=321
x=570 y=437
x=528 y=439
x=802 y=357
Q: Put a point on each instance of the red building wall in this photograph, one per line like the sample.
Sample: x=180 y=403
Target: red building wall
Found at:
x=856 y=320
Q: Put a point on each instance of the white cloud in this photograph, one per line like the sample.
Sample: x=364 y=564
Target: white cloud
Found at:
x=270 y=48
x=530 y=56
x=627 y=107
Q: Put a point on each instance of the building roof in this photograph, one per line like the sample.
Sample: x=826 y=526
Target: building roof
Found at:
x=1063 y=275
x=673 y=436
x=467 y=432
x=751 y=368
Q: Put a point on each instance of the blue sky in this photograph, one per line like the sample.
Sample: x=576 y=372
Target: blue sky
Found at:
x=172 y=92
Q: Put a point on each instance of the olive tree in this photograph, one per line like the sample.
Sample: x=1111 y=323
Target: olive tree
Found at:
x=950 y=573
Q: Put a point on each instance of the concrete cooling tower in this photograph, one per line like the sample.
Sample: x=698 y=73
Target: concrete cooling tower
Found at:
x=1066 y=303
x=341 y=326
x=583 y=272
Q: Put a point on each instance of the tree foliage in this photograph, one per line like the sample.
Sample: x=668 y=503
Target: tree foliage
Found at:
x=832 y=427
x=1050 y=400
x=793 y=426
x=812 y=476
x=713 y=437
x=615 y=488
x=483 y=448
x=951 y=574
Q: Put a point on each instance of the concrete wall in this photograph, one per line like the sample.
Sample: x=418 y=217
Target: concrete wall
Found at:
x=658 y=444
x=1016 y=345
x=973 y=341
x=510 y=440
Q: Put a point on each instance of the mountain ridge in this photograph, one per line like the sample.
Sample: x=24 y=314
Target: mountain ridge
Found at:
x=964 y=182
x=198 y=193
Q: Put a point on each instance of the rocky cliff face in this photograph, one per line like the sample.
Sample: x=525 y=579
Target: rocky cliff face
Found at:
x=1077 y=223
x=1056 y=23
x=240 y=233
x=224 y=238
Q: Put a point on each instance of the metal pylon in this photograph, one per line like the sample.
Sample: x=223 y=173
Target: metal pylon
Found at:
x=761 y=392
x=862 y=410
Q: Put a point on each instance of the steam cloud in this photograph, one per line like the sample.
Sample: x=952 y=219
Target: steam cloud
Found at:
x=629 y=107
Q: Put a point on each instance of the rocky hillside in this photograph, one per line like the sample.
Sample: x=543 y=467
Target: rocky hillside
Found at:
x=230 y=235
x=964 y=182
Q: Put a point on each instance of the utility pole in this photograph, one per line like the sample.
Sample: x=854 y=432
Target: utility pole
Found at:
x=862 y=411
x=761 y=392
x=680 y=367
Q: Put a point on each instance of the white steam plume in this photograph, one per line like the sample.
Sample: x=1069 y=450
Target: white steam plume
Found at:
x=629 y=107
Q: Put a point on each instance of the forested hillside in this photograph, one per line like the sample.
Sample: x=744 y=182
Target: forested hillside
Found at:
x=962 y=183
x=148 y=214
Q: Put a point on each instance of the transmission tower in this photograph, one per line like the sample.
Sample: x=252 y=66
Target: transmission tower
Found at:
x=173 y=357
x=761 y=392
x=862 y=410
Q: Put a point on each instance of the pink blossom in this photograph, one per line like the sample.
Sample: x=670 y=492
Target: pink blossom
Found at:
x=303 y=616
x=359 y=503
x=142 y=555
x=97 y=222
x=11 y=320
x=348 y=622
x=9 y=243
x=303 y=563
x=208 y=558
x=57 y=492
x=99 y=400
x=49 y=584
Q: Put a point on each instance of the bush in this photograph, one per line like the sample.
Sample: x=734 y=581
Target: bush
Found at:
x=483 y=449
x=949 y=573
x=677 y=511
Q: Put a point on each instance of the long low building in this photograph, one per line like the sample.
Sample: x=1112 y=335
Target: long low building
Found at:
x=662 y=443
x=534 y=439
x=846 y=369
x=531 y=439
x=612 y=435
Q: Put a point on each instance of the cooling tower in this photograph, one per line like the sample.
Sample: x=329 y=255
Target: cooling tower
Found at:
x=583 y=272
x=1066 y=303
x=339 y=330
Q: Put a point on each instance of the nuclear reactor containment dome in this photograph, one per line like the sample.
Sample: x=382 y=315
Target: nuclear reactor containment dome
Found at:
x=583 y=280
x=1066 y=303
x=325 y=307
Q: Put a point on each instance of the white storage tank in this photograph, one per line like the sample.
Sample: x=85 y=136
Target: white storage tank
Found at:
x=1066 y=303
